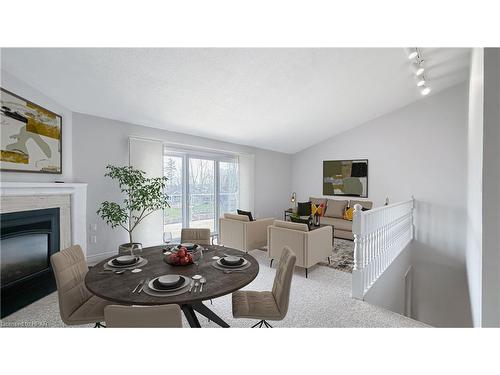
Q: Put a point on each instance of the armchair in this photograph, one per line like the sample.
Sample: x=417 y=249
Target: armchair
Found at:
x=310 y=246
x=238 y=232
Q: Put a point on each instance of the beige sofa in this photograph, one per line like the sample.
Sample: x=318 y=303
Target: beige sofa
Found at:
x=310 y=247
x=334 y=215
x=238 y=232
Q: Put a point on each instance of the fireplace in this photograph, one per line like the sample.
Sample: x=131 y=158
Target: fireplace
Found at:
x=28 y=239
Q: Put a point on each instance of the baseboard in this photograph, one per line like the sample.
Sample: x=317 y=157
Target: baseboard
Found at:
x=96 y=258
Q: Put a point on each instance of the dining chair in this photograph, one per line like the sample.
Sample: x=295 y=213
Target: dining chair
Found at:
x=266 y=305
x=76 y=304
x=164 y=316
x=200 y=236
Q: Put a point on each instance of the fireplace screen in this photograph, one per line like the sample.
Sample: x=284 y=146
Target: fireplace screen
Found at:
x=23 y=256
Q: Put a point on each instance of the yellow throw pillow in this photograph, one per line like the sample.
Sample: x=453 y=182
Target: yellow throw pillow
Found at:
x=349 y=211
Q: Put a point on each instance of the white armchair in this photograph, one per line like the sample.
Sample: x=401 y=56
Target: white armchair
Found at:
x=310 y=247
x=238 y=232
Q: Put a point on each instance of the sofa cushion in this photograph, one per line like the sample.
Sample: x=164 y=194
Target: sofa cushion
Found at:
x=247 y=213
x=335 y=208
x=236 y=217
x=348 y=213
x=337 y=223
x=289 y=225
x=304 y=208
x=318 y=201
x=367 y=205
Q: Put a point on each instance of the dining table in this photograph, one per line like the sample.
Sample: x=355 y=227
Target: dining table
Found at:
x=119 y=288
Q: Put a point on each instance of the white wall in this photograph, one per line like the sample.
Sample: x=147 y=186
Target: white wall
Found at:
x=18 y=87
x=474 y=183
x=99 y=141
x=491 y=190
x=417 y=150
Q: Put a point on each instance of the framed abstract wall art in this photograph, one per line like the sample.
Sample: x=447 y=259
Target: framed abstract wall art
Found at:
x=31 y=136
x=345 y=178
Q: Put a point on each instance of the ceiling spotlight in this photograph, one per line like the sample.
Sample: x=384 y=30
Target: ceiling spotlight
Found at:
x=413 y=52
x=421 y=82
x=420 y=68
x=426 y=90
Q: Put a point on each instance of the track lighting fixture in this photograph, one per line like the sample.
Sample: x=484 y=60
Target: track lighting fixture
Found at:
x=419 y=70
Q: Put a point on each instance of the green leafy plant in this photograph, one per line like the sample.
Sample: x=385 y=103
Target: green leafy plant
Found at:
x=142 y=197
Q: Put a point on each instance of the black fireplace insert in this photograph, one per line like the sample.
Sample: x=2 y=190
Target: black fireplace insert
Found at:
x=27 y=240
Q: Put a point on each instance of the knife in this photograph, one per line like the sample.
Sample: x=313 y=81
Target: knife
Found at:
x=142 y=287
x=191 y=286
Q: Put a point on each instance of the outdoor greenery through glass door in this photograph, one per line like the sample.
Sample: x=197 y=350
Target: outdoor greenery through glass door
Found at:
x=200 y=191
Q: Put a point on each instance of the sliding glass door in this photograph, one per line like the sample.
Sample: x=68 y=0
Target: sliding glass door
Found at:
x=201 y=189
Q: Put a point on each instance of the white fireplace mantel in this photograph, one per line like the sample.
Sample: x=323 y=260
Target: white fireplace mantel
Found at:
x=77 y=192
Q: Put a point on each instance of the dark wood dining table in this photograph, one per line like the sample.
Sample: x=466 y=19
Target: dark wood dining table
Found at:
x=118 y=288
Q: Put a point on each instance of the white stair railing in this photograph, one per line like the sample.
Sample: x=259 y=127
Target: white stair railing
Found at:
x=380 y=234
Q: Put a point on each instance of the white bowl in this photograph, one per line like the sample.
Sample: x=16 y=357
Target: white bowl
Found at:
x=169 y=280
x=230 y=259
x=125 y=259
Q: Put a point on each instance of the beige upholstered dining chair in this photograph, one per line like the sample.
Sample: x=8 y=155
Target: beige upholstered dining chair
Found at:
x=200 y=236
x=165 y=316
x=268 y=305
x=76 y=304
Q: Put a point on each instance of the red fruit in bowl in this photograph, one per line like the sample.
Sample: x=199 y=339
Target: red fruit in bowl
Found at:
x=190 y=257
x=184 y=261
x=182 y=252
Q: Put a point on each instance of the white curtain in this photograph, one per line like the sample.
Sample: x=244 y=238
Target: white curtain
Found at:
x=247 y=183
x=147 y=155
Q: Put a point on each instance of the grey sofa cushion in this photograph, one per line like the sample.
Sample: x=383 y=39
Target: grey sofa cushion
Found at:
x=335 y=208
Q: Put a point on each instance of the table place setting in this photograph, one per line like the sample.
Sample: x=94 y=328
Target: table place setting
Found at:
x=231 y=263
x=172 y=285
x=124 y=263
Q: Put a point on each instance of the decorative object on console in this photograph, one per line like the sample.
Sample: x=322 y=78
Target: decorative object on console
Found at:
x=345 y=178
x=247 y=213
x=31 y=136
x=143 y=196
x=293 y=200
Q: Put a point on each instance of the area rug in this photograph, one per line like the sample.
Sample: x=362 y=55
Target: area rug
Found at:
x=342 y=257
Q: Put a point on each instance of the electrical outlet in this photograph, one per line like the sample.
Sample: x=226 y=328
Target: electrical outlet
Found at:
x=93 y=239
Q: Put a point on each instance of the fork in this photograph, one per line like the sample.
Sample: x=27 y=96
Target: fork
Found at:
x=138 y=285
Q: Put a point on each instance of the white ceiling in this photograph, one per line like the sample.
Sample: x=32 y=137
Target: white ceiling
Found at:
x=277 y=99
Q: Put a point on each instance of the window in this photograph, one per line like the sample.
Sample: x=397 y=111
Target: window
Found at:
x=201 y=186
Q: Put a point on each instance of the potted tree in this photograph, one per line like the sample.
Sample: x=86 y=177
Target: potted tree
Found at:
x=141 y=197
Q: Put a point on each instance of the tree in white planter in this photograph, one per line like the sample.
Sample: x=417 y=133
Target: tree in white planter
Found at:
x=142 y=197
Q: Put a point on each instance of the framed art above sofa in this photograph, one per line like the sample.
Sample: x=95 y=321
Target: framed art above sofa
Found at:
x=31 y=136
x=348 y=178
